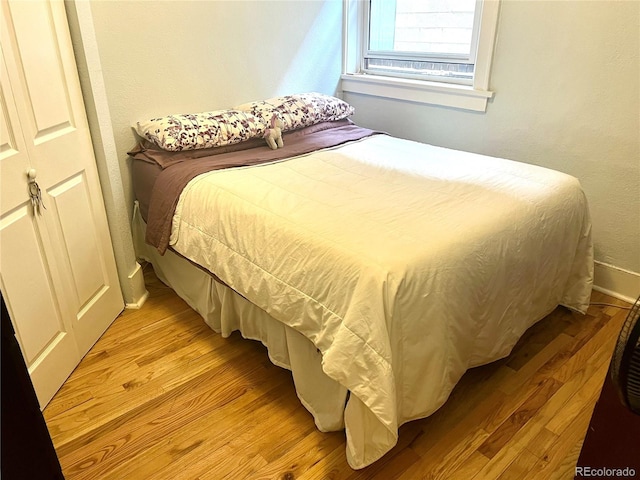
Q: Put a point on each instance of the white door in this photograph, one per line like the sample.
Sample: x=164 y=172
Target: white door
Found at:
x=57 y=269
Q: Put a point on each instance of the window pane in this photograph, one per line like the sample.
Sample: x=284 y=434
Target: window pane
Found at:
x=440 y=28
x=463 y=72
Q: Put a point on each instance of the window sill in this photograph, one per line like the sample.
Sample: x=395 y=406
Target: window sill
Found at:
x=420 y=91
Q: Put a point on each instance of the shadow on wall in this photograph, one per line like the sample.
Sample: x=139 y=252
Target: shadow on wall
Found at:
x=318 y=61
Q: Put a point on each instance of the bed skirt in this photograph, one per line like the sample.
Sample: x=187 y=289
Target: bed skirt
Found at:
x=225 y=311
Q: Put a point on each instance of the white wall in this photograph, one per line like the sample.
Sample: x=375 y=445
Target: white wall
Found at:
x=162 y=57
x=566 y=78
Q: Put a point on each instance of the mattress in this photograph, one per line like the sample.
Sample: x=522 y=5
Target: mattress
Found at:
x=402 y=264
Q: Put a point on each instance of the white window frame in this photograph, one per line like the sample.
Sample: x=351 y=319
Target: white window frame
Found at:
x=469 y=97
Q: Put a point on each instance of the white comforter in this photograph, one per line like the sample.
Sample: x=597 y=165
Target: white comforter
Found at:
x=405 y=264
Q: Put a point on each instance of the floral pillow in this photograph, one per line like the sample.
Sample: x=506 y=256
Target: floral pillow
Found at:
x=299 y=110
x=201 y=130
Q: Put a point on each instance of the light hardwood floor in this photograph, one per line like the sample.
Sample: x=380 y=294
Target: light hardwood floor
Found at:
x=161 y=396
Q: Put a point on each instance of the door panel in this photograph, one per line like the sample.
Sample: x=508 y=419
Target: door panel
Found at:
x=43 y=330
x=13 y=152
x=93 y=281
x=38 y=307
x=35 y=36
x=58 y=266
x=71 y=206
x=8 y=145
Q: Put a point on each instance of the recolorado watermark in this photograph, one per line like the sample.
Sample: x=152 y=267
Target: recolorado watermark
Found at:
x=604 y=472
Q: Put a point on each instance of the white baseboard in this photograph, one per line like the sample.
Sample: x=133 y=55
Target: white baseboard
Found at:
x=140 y=293
x=616 y=282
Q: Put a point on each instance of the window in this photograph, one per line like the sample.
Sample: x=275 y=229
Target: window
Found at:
x=422 y=39
x=431 y=51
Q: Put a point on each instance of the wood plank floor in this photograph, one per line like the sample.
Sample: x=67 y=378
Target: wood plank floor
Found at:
x=162 y=396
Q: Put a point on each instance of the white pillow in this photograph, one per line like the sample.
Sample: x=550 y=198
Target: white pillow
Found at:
x=201 y=130
x=299 y=110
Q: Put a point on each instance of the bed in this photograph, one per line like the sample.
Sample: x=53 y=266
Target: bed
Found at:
x=377 y=269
